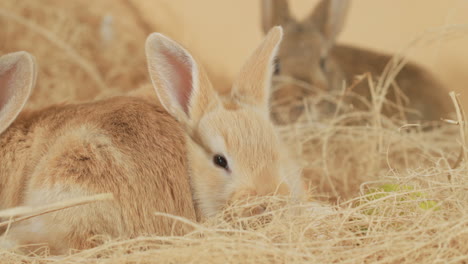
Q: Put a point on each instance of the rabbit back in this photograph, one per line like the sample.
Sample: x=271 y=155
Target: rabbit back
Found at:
x=126 y=146
x=418 y=88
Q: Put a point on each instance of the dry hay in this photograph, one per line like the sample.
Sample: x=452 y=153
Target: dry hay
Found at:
x=83 y=48
x=388 y=191
x=76 y=61
x=342 y=150
x=422 y=224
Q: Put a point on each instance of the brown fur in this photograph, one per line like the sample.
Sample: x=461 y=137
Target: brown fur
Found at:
x=150 y=157
x=310 y=43
x=120 y=145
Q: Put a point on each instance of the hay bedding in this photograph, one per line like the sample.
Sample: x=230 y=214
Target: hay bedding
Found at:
x=76 y=61
x=382 y=193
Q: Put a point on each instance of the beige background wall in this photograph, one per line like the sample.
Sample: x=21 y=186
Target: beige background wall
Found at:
x=224 y=32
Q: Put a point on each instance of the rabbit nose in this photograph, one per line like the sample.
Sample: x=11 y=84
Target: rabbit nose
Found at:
x=243 y=195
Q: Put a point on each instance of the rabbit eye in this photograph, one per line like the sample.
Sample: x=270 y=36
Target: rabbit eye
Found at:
x=276 y=66
x=323 y=63
x=220 y=161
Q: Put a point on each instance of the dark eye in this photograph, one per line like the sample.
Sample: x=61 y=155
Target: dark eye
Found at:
x=276 y=66
x=220 y=161
x=323 y=63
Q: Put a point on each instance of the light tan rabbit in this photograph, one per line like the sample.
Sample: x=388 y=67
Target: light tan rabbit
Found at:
x=140 y=151
x=309 y=54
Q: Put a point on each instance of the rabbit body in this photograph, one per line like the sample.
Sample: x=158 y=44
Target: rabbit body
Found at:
x=309 y=53
x=188 y=152
x=126 y=146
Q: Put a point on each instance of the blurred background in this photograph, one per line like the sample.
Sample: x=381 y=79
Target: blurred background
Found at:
x=225 y=32
x=77 y=62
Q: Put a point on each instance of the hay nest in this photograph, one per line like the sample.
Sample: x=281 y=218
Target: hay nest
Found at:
x=382 y=192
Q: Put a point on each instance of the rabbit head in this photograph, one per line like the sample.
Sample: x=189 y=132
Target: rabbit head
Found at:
x=304 y=51
x=17 y=79
x=233 y=149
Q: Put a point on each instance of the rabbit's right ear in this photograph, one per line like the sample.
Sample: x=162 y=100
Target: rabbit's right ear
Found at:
x=330 y=16
x=253 y=85
x=181 y=85
x=274 y=13
x=17 y=79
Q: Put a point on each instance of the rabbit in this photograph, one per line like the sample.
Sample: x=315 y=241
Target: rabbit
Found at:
x=185 y=151
x=309 y=54
x=127 y=146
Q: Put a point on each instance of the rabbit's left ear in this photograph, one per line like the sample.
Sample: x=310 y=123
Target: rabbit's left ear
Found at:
x=330 y=17
x=181 y=85
x=17 y=79
x=252 y=86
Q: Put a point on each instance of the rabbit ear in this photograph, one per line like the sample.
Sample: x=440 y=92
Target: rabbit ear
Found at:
x=274 y=13
x=17 y=79
x=330 y=16
x=253 y=83
x=181 y=85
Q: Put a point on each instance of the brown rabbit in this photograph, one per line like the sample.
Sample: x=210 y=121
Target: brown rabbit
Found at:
x=139 y=151
x=308 y=53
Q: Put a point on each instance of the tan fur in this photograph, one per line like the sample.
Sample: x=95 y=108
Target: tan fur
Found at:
x=151 y=161
x=237 y=126
x=120 y=145
x=308 y=42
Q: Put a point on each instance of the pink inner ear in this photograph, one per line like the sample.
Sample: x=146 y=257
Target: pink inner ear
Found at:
x=181 y=81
